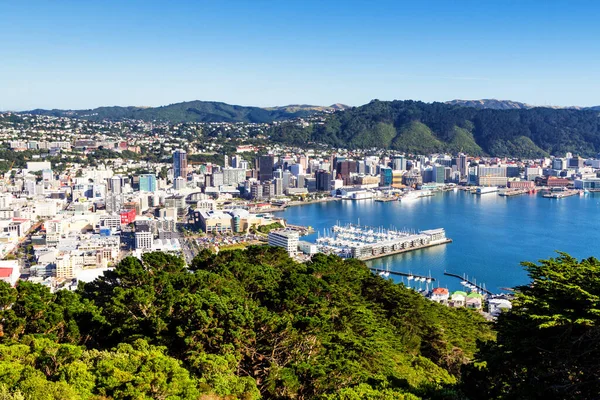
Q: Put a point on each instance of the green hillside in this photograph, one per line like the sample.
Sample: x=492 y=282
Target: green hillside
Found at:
x=251 y=324
x=426 y=128
x=241 y=324
x=416 y=137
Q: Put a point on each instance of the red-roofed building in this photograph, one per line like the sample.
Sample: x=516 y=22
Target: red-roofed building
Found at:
x=440 y=295
x=9 y=271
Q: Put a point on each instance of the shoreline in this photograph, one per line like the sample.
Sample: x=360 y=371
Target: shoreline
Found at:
x=306 y=203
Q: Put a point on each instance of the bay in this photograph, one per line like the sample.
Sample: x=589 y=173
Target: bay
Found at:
x=491 y=234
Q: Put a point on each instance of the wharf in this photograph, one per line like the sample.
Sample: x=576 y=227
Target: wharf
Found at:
x=302 y=230
x=560 y=195
x=401 y=273
x=513 y=192
x=480 y=288
x=394 y=252
x=386 y=199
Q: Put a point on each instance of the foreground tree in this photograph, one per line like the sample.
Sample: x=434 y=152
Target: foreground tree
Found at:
x=549 y=344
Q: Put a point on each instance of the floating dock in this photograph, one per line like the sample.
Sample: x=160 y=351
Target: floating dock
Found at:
x=479 y=288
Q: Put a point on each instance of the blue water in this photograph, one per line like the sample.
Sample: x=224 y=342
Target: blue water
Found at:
x=491 y=234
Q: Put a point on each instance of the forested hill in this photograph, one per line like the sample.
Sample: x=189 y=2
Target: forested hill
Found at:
x=251 y=324
x=418 y=127
x=237 y=325
x=190 y=111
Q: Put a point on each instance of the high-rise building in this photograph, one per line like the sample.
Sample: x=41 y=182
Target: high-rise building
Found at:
x=265 y=168
x=323 y=180
x=399 y=163
x=286 y=177
x=180 y=164
x=278 y=186
x=311 y=184
x=462 y=165
x=344 y=169
x=116 y=184
x=439 y=174
x=233 y=176
x=385 y=177
x=297 y=169
x=147 y=183
x=178 y=183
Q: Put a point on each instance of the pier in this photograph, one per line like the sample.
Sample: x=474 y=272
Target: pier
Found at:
x=302 y=230
x=479 y=288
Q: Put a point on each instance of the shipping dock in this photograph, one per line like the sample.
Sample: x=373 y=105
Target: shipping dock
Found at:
x=367 y=243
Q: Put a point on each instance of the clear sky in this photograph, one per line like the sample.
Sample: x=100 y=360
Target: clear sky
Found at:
x=84 y=54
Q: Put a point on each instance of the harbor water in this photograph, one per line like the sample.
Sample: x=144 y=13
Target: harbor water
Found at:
x=491 y=234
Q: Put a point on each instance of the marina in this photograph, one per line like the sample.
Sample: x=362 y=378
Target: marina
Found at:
x=366 y=243
x=473 y=286
x=410 y=276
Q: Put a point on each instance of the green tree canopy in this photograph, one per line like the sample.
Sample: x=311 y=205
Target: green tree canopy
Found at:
x=548 y=346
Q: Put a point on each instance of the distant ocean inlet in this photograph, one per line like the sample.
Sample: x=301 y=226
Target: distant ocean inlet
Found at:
x=491 y=234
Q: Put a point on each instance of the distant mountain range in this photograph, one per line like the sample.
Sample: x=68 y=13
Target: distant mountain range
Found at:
x=509 y=105
x=194 y=111
x=212 y=111
x=493 y=127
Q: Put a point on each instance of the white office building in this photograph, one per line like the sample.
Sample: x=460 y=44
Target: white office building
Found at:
x=288 y=239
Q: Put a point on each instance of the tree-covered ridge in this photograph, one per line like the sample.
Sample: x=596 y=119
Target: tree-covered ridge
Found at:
x=240 y=324
x=419 y=127
x=255 y=324
x=189 y=111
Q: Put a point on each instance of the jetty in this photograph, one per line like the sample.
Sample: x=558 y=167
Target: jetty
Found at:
x=398 y=273
x=479 y=288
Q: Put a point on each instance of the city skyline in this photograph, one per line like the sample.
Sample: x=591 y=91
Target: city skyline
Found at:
x=82 y=56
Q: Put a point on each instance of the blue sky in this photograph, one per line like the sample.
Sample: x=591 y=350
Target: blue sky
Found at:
x=84 y=54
